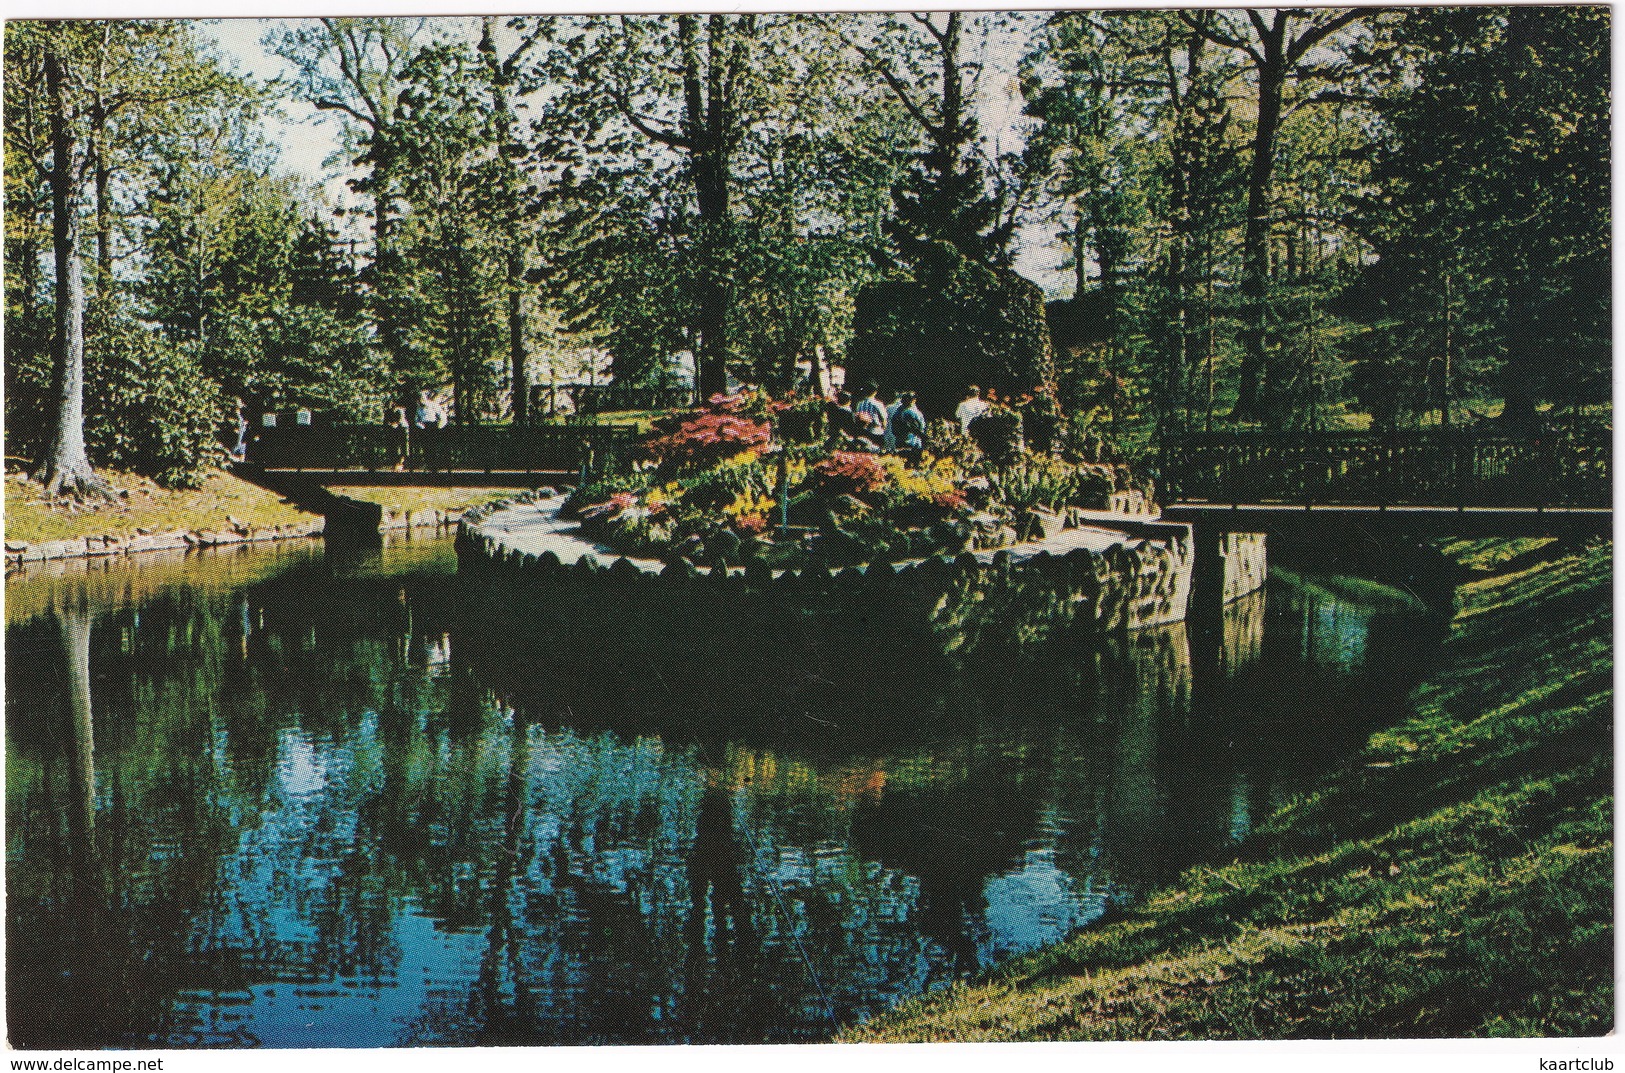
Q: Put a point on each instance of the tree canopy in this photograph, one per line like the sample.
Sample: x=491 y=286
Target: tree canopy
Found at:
x=1293 y=218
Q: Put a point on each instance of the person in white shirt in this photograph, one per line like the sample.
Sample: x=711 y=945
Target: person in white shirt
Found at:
x=973 y=407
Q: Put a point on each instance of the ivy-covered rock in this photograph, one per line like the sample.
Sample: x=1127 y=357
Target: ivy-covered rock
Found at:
x=957 y=323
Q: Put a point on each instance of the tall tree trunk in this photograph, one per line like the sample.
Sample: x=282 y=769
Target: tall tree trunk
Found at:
x=66 y=466
x=1080 y=254
x=1251 y=384
x=501 y=75
x=708 y=120
x=104 y=227
x=517 y=358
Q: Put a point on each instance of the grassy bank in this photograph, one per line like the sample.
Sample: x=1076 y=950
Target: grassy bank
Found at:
x=143 y=505
x=418 y=500
x=1456 y=880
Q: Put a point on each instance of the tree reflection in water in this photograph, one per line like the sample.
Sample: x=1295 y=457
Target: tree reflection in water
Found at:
x=339 y=804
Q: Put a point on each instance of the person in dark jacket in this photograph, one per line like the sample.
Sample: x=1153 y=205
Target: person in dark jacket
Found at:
x=908 y=426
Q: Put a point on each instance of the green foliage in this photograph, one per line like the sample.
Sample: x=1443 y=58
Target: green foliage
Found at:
x=1036 y=481
x=958 y=323
x=150 y=406
x=1494 y=268
x=299 y=357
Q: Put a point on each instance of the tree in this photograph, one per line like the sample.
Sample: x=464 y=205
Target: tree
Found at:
x=690 y=87
x=921 y=60
x=963 y=316
x=91 y=73
x=724 y=204
x=1493 y=198
x=1283 y=46
x=354 y=67
x=510 y=77
x=1137 y=137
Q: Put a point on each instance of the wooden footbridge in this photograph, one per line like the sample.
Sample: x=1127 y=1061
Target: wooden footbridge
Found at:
x=1445 y=481
x=519 y=456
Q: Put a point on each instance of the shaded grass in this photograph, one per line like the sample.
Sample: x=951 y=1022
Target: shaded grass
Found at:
x=143 y=505
x=1458 y=882
x=399 y=499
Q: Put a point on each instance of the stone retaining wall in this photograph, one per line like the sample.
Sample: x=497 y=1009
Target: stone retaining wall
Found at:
x=19 y=552
x=1144 y=580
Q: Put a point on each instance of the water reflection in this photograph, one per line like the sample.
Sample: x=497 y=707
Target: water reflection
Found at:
x=310 y=802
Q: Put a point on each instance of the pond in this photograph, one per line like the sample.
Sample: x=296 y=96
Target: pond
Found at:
x=289 y=798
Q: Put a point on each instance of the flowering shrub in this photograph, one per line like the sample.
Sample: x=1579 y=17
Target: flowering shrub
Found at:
x=711 y=495
x=922 y=484
x=849 y=473
x=750 y=524
x=706 y=439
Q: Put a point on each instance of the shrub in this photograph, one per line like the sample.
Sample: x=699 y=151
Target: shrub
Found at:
x=852 y=473
x=998 y=433
x=704 y=439
x=150 y=408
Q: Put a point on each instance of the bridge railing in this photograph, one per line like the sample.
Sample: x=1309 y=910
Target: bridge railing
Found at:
x=1409 y=468
x=477 y=448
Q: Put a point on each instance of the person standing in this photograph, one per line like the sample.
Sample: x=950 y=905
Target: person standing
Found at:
x=841 y=421
x=896 y=403
x=969 y=410
x=239 y=449
x=908 y=427
x=871 y=416
x=429 y=420
x=400 y=424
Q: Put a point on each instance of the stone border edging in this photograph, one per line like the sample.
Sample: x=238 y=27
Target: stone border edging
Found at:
x=20 y=552
x=1130 y=574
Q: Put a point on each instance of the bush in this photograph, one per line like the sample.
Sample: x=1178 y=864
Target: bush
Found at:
x=299 y=356
x=150 y=408
x=849 y=473
x=726 y=427
x=998 y=433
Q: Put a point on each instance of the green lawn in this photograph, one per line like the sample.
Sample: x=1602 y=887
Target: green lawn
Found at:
x=1456 y=881
x=143 y=505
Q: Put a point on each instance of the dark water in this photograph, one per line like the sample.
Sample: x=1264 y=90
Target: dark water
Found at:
x=282 y=799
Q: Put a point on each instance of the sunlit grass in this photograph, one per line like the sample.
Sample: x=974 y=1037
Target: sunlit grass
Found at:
x=398 y=500
x=143 y=505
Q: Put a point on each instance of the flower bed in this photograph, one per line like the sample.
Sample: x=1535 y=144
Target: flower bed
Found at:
x=736 y=481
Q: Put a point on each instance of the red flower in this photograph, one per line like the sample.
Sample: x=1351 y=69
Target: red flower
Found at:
x=849 y=473
x=705 y=439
